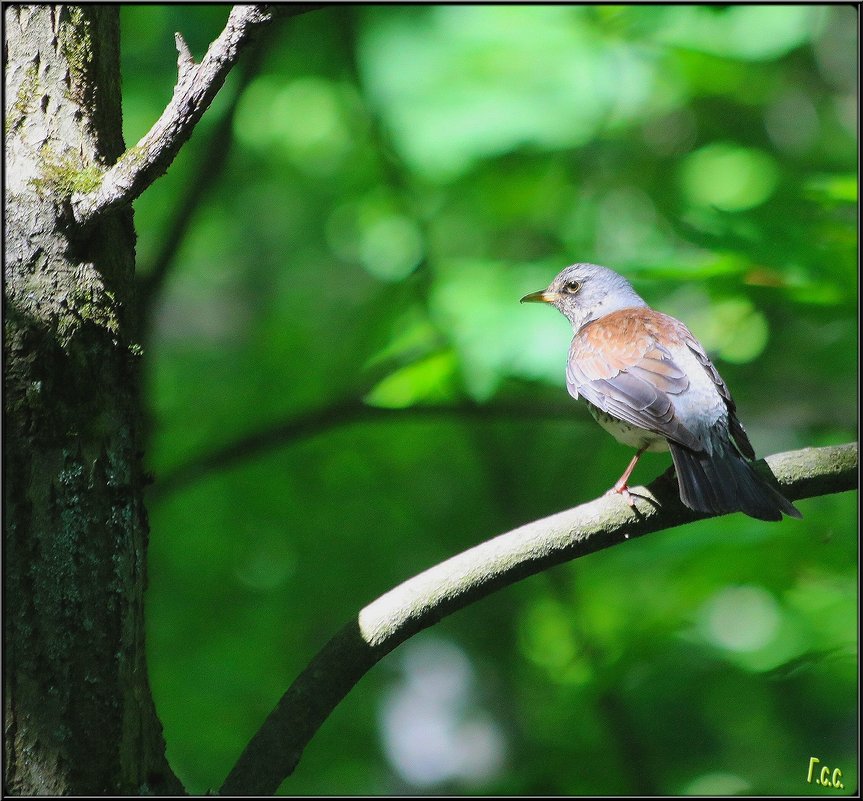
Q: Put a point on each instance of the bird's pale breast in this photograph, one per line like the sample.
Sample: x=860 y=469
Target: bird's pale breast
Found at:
x=626 y=434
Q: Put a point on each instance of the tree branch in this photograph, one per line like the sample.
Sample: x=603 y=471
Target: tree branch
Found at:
x=197 y=85
x=339 y=414
x=211 y=164
x=276 y=748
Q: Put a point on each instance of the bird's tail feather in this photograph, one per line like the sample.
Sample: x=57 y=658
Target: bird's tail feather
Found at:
x=724 y=482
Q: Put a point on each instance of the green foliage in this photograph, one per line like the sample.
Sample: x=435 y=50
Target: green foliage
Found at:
x=398 y=178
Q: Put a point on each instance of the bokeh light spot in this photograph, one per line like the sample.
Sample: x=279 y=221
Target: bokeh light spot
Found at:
x=742 y=618
x=729 y=177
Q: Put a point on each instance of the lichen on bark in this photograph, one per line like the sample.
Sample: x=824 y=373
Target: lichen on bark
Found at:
x=75 y=37
x=25 y=98
x=63 y=175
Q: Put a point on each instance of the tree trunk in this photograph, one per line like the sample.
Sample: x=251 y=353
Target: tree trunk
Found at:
x=79 y=716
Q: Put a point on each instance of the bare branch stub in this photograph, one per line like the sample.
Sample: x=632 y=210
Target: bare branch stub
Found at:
x=185 y=61
x=197 y=85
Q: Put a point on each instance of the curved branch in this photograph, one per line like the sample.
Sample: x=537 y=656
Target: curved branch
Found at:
x=197 y=85
x=276 y=748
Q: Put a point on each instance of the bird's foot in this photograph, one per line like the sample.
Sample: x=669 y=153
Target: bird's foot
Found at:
x=621 y=488
x=630 y=496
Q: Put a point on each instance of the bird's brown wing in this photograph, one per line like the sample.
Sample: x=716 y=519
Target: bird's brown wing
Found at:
x=618 y=364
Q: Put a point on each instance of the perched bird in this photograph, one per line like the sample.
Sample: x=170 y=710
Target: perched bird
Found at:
x=648 y=382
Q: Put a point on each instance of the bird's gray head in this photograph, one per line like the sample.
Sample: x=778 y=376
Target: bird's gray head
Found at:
x=585 y=292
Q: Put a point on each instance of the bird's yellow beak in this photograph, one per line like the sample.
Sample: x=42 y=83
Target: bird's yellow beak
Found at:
x=543 y=296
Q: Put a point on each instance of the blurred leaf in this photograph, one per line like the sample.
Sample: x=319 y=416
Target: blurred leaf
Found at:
x=728 y=177
x=431 y=379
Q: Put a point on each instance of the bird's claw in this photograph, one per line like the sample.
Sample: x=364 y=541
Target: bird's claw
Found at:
x=622 y=489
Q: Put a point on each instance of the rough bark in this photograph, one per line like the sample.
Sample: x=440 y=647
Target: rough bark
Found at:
x=79 y=717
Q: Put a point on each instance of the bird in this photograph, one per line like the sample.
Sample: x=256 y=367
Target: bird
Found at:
x=649 y=382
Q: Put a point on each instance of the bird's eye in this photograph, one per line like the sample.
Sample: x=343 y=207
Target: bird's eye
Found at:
x=572 y=287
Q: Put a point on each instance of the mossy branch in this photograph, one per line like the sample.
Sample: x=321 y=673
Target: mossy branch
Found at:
x=275 y=750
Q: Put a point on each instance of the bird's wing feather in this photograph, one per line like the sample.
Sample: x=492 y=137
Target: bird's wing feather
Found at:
x=738 y=433
x=618 y=364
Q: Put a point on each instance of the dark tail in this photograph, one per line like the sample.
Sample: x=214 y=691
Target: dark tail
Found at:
x=725 y=482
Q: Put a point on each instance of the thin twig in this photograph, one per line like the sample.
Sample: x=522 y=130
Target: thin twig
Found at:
x=275 y=750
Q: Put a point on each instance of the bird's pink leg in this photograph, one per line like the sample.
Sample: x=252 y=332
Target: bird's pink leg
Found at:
x=621 y=487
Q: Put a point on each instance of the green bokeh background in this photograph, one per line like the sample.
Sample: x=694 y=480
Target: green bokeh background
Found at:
x=395 y=179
